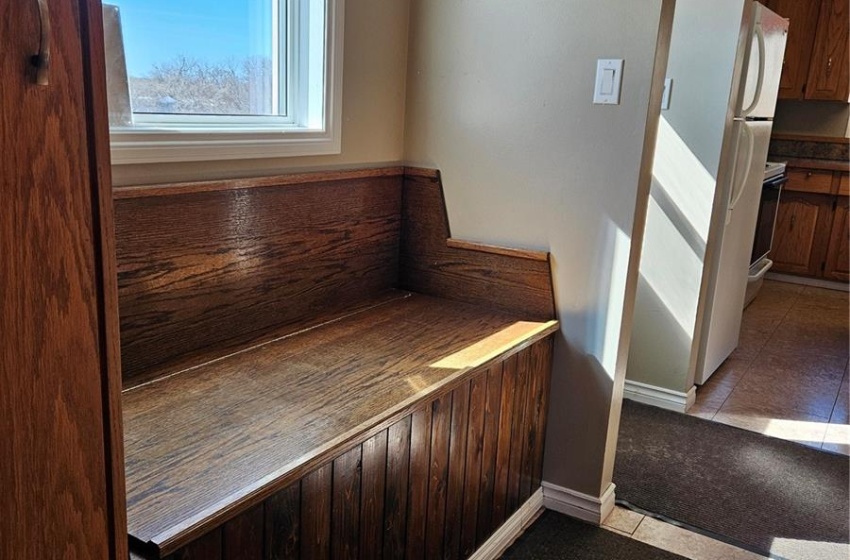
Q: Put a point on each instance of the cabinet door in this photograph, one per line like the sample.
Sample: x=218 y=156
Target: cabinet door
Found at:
x=803 y=20
x=829 y=74
x=62 y=492
x=838 y=256
x=802 y=233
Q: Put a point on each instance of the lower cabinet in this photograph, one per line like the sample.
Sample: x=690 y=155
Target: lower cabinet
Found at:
x=811 y=232
x=436 y=483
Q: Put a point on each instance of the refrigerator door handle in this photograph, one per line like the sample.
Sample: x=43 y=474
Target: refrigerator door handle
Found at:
x=735 y=194
x=759 y=32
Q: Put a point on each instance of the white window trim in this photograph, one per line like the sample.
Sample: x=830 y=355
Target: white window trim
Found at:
x=156 y=145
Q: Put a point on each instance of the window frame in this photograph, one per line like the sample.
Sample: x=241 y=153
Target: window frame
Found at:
x=312 y=130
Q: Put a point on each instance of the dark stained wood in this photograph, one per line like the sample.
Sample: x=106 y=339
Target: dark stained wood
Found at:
x=472 y=475
x=429 y=266
x=316 y=513
x=541 y=256
x=803 y=20
x=283 y=524
x=527 y=425
x=492 y=409
x=801 y=235
x=829 y=71
x=503 y=446
x=208 y=547
x=517 y=430
x=438 y=476
x=243 y=535
x=61 y=469
x=172 y=189
x=457 y=471
x=395 y=507
x=339 y=385
x=200 y=274
x=543 y=368
x=430 y=459
x=837 y=266
x=345 y=523
x=417 y=502
x=372 y=495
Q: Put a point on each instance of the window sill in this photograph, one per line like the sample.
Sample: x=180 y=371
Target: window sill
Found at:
x=164 y=146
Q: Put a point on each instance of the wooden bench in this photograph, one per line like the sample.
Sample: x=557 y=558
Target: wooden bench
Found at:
x=314 y=368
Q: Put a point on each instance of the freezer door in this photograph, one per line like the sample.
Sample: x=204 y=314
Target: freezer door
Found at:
x=721 y=318
x=762 y=64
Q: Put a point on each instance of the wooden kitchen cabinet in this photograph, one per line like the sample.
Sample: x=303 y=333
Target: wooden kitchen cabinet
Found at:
x=837 y=255
x=829 y=74
x=803 y=224
x=816 y=65
x=811 y=234
x=803 y=17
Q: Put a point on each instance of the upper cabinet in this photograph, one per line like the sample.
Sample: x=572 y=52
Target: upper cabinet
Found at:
x=816 y=57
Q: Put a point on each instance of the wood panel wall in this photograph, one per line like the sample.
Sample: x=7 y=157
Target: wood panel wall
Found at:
x=435 y=484
x=516 y=281
x=206 y=267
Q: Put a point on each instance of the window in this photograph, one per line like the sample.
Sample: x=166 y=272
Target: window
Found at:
x=229 y=79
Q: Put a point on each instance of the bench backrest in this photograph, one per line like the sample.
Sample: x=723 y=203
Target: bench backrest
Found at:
x=206 y=267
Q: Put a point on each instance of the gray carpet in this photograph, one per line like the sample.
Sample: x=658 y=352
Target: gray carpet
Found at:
x=760 y=493
x=556 y=536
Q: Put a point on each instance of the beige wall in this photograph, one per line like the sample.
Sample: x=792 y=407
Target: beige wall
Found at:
x=813 y=118
x=499 y=98
x=374 y=75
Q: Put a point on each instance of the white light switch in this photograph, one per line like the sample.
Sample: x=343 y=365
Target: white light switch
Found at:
x=609 y=73
x=665 y=97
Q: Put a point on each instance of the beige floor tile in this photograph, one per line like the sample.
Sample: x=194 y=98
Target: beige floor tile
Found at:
x=623 y=520
x=837 y=439
x=822 y=297
x=840 y=413
x=800 y=382
x=686 y=543
x=793 y=425
x=812 y=330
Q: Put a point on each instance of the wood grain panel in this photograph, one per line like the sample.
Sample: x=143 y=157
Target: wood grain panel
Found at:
x=372 y=495
x=503 y=445
x=472 y=474
x=434 y=460
x=801 y=233
x=457 y=471
x=200 y=274
x=428 y=265
x=395 y=507
x=517 y=430
x=244 y=535
x=843 y=184
x=316 y=513
x=345 y=524
x=417 y=502
x=543 y=364
x=489 y=449
x=59 y=441
x=803 y=20
x=207 y=547
x=187 y=469
x=533 y=382
x=838 y=254
x=283 y=524
x=438 y=476
x=829 y=72
x=809 y=180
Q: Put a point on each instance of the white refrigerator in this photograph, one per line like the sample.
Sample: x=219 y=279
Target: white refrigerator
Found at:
x=739 y=183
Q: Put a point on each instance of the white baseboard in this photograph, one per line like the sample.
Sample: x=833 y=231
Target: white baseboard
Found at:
x=505 y=535
x=659 y=396
x=575 y=504
x=816 y=282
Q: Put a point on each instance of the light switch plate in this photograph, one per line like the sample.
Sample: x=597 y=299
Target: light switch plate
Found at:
x=609 y=74
x=665 y=97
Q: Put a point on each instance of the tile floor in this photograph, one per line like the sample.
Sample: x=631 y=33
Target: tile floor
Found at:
x=788 y=377
x=671 y=538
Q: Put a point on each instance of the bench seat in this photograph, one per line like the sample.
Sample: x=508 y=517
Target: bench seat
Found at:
x=211 y=441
